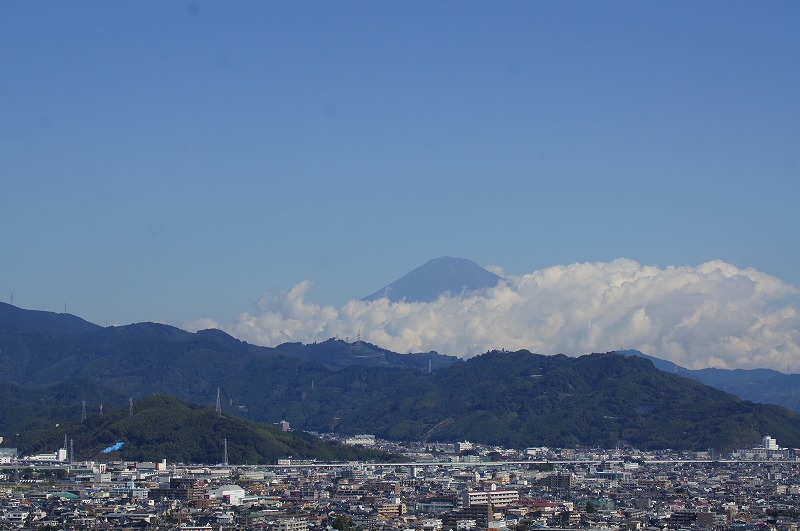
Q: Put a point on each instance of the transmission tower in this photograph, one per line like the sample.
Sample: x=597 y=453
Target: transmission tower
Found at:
x=130 y=407
x=71 y=451
x=225 y=453
x=219 y=406
x=83 y=410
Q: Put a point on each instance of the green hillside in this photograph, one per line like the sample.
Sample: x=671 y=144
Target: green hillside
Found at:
x=162 y=427
x=520 y=399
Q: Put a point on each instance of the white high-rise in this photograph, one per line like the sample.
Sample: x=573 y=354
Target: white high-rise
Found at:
x=770 y=443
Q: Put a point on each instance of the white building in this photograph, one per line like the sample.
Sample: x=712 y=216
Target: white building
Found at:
x=59 y=456
x=290 y=524
x=770 y=443
x=230 y=494
x=149 y=465
x=498 y=498
x=128 y=489
x=8 y=455
x=463 y=447
x=363 y=440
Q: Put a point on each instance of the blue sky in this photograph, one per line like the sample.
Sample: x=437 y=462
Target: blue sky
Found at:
x=176 y=160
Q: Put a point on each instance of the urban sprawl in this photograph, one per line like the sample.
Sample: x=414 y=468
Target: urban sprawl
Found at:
x=458 y=486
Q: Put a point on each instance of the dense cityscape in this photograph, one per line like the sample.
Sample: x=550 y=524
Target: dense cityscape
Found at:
x=436 y=487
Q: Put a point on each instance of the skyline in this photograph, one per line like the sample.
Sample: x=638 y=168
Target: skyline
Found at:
x=175 y=162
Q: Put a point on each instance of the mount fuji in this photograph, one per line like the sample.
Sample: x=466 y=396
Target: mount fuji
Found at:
x=440 y=276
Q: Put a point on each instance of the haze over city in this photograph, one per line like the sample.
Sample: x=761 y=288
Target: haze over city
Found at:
x=629 y=169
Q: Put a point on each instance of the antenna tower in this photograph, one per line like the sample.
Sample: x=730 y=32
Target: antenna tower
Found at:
x=225 y=454
x=430 y=365
x=83 y=410
x=65 y=441
x=71 y=451
x=219 y=406
x=130 y=407
x=101 y=409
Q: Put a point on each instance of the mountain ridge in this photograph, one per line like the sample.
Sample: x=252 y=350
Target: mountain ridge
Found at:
x=758 y=385
x=14 y=319
x=516 y=399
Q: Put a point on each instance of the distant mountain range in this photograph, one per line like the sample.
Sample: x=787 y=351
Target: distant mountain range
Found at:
x=50 y=363
x=446 y=275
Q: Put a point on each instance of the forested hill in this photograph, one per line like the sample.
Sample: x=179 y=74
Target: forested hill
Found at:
x=516 y=399
x=161 y=427
x=520 y=399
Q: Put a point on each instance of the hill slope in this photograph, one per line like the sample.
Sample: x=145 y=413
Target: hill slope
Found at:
x=758 y=385
x=520 y=399
x=164 y=428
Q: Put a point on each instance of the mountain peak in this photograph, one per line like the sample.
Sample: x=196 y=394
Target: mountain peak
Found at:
x=17 y=320
x=444 y=275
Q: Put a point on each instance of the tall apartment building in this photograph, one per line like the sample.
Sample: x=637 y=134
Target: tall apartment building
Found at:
x=498 y=498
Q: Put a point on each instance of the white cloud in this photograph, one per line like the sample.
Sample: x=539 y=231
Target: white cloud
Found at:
x=714 y=314
x=199 y=324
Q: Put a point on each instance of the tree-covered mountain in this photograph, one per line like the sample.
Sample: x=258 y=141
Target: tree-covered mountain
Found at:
x=39 y=349
x=14 y=320
x=25 y=409
x=516 y=399
x=521 y=399
x=758 y=385
x=161 y=427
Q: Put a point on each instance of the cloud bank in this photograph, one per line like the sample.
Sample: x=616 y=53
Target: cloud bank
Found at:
x=712 y=315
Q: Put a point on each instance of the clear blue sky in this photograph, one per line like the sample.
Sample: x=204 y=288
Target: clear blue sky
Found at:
x=176 y=160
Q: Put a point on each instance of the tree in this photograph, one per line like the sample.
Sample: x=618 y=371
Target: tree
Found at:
x=342 y=523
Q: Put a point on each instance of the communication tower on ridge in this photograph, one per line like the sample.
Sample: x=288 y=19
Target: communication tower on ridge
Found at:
x=83 y=410
x=219 y=405
x=130 y=407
